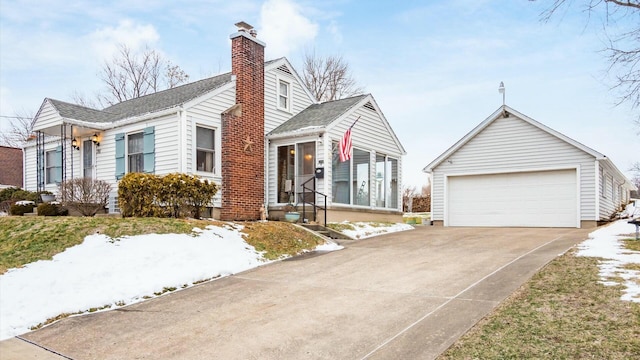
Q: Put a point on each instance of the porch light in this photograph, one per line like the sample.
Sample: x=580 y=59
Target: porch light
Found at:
x=74 y=144
x=293 y=152
x=94 y=138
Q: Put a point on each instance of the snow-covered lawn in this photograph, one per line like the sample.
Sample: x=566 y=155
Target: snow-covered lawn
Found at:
x=364 y=230
x=108 y=273
x=606 y=243
x=114 y=272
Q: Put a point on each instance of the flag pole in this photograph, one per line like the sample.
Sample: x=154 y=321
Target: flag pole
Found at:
x=354 y=122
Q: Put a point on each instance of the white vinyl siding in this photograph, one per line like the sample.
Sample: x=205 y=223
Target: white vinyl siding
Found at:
x=513 y=145
x=207 y=114
x=300 y=100
x=47 y=117
x=609 y=201
x=166 y=158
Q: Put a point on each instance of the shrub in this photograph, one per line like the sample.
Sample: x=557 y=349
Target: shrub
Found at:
x=202 y=195
x=7 y=194
x=49 y=209
x=20 y=210
x=86 y=195
x=137 y=195
x=14 y=193
x=175 y=195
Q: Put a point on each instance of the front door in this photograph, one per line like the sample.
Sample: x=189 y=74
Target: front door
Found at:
x=87 y=159
x=306 y=159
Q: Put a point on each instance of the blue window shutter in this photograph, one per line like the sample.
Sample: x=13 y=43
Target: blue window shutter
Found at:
x=119 y=156
x=58 y=165
x=149 y=150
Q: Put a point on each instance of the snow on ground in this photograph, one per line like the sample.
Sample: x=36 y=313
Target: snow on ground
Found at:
x=364 y=229
x=605 y=243
x=114 y=272
x=104 y=271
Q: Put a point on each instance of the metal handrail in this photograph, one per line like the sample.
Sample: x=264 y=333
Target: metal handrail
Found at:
x=313 y=204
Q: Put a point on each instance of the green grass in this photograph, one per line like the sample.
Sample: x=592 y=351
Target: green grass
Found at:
x=276 y=239
x=563 y=312
x=27 y=239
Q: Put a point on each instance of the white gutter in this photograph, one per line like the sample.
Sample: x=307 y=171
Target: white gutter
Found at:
x=306 y=131
x=115 y=124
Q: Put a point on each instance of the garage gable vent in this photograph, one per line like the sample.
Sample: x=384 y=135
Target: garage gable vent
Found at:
x=284 y=69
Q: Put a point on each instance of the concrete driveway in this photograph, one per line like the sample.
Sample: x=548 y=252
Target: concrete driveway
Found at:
x=406 y=295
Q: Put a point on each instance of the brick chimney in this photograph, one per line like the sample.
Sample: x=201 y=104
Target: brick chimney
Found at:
x=243 y=130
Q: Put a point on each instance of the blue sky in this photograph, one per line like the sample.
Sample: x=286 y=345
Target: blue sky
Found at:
x=433 y=66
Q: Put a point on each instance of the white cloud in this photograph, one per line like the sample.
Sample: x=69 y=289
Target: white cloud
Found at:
x=136 y=36
x=334 y=30
x=284 y=27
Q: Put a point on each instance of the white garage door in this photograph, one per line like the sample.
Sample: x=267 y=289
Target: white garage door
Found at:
x=538 y=199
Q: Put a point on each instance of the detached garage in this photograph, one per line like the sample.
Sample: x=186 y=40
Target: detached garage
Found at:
x=512 y=171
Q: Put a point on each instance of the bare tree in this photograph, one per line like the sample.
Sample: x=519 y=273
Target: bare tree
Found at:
x=329 y=78
x=130 y=75
x=21 y=128
x=426 y=189
x=636 y=174
x=86 y=195
x=622 y=30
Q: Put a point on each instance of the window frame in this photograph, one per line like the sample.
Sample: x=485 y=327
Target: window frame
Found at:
x=128 y=153
x=50 y=165
x=287 y=96
x=212 y=150
x=385 y=198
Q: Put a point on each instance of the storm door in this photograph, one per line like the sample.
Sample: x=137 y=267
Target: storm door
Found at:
x=306 y=160
x=87 y=159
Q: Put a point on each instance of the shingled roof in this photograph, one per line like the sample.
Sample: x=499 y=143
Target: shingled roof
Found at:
x=167 y=98
x=318 y=115
x=78 y=112
x=160 y=100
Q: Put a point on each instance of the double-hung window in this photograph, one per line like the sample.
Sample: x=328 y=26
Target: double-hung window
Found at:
x=51 y=167
x=135 y=151
x=205 y=150
x=284 y=95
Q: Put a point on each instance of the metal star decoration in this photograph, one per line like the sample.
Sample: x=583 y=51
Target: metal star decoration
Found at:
x=248 y=145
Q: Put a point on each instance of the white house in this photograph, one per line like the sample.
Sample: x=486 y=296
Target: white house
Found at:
x=249 y=131
x=514 y=171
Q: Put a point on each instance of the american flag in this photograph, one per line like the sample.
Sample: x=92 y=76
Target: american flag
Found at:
x=345 y=145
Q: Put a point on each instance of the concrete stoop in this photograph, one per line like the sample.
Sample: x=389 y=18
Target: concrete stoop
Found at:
x=326 y=232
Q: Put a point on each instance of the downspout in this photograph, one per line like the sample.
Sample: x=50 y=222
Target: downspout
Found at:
x=597 y=189
x=182 y=133
x=326 y=158
x=24 y=163
x=266 y=177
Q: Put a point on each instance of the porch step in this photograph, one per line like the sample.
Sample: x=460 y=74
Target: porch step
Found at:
x=330 y=233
